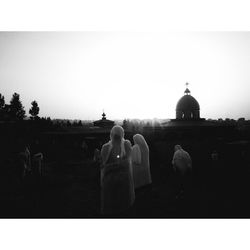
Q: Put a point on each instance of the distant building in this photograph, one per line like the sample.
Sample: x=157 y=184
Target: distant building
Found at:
x=188 y=107
x=104 y=122
x=188 y=122
x=187 y=113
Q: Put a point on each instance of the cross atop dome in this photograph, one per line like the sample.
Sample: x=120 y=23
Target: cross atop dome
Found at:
x=187 y=91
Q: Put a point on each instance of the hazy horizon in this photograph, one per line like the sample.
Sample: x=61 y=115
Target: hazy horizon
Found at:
x=75 y=75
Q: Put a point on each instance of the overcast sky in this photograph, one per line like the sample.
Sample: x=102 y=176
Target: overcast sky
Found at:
x=75 y=75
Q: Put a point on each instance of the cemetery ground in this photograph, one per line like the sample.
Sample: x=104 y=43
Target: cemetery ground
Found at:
x=70 y=188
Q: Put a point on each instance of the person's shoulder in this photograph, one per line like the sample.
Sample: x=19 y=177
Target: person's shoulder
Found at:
x=186 y=153
x=105 y=147
x=178 y=154
x=127 y=143
x=135 y=146
x=127 y=146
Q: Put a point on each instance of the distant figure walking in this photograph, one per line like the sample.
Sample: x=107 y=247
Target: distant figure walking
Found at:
x=117 y=187
x=140 y=162
x=182 y=164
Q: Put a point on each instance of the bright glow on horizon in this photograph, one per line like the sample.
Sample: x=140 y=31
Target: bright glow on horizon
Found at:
x=75 y=75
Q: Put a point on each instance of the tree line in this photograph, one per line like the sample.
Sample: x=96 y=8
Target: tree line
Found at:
x=15 y=111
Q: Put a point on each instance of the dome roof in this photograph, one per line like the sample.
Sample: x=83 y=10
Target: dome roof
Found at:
x=187 y=102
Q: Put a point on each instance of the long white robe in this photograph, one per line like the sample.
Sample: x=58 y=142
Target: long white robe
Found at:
x=182 y=161
x=141 y=165
x=117 y=187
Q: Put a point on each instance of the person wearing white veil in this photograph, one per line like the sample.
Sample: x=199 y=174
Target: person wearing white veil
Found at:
x=140 y=162
x=182 y=164
x=182 y=161
x=117 y=187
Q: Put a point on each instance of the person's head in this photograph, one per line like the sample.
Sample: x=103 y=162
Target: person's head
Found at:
x=139 y=139
x=177 y=147
x=116 y=134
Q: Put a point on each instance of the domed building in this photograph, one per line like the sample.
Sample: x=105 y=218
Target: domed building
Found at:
x=188 y=126
x=187 y=112
x=187 y=107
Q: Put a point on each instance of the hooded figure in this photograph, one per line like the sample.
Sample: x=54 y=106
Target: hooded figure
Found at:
x=182 y=164
x=140 y=162
x=117 y=187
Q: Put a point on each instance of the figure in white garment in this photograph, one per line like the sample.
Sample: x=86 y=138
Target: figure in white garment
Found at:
x=182 y=164
x=140 y=162
x=117 y=187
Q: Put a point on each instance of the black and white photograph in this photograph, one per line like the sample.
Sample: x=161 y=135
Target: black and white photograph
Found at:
x=123 y=123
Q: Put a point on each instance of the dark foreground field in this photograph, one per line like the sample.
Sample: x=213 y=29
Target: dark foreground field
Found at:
x=69 y=186
x=71 y=189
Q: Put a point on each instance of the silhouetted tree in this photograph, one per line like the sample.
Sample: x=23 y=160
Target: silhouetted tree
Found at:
x=2 y=102
x=16 y=108
x=125 y=124
x=68 y=123
x=242 y=119
x=75 y=124
x=2 y=107
x=34 y=110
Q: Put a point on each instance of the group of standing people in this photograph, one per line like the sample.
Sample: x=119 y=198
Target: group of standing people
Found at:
x=125 y=168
